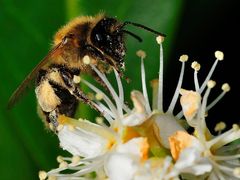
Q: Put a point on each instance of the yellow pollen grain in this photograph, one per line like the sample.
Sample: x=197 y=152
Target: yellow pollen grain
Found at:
x=178 y=142
x=220 y=126
x=183 y=58
x=141 y=54
x=219 y=55
x=211 y=84
x=86 y=60
x=42 y=175
x=76 y=159
x=63 y=164
x=226 y=87
x=76 y=79
x=99 y=96
x=160 y=39
x=60 y=159
x=195 y=65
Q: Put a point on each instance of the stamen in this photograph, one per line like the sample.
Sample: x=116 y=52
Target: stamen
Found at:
x=144 y=88
x=160 y=39
x=111 y=89
x=141 y=54
x=42 y=175
x=208 y=76
x=196 y=66
x=219 y=55
x=160 y=77
x=105 y=98
x=183 y=59
x=220 y=126
x=63 y=164
x=75 y=159
x=202 y=127
x=154 y=84
x=59 y=159
x=225 y=88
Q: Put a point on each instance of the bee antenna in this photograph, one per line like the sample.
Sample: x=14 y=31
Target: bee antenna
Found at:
x=133 y=35
x=143 y=27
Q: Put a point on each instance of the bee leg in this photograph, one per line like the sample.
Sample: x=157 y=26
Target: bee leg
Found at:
x=53 y=117
x=80 y=95
x=100 y=55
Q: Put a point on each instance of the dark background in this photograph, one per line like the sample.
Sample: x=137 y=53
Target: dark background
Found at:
x=196 y=28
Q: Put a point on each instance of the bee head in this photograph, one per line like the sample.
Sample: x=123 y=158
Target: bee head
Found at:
x=108 y=36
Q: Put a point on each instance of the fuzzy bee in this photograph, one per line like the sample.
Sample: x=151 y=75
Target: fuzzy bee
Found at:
x=100 y=38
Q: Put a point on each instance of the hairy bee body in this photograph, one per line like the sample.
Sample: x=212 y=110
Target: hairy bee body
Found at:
x=101 y=39
x=85 y=36
x=54 y=88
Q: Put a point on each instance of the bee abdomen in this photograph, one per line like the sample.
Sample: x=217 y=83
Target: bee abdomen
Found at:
x=68 y=101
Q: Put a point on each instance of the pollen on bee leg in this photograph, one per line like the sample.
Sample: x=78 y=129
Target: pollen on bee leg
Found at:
x=76 y=79
x=86 y=60
x=42 y=175
x=141 y=54
x=160 y=39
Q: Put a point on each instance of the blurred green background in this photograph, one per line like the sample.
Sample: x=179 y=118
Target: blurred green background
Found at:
x=197 y=28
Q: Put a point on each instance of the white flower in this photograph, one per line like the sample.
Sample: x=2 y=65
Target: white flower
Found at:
x=139 y=143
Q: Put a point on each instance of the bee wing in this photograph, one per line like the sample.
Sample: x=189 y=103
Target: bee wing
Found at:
x=27 y=81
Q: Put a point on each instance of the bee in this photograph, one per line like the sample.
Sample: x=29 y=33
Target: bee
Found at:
x=100 y=38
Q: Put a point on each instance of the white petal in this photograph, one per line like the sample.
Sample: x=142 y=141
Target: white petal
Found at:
x=133 y=147
x=119 y=166
x=81 y=143
x=191 y=161
x=134 y=119
x=167 y=126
